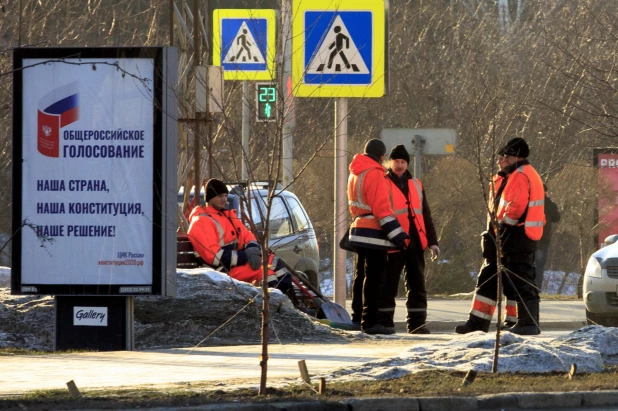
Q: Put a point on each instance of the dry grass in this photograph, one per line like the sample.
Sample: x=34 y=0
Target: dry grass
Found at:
x=425 y=384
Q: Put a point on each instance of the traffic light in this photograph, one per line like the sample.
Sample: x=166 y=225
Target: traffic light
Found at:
x=266 y=102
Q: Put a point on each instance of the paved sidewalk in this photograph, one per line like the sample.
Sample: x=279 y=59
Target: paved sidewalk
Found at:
x=223 y=366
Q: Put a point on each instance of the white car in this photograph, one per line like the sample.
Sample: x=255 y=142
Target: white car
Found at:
x=600 y=284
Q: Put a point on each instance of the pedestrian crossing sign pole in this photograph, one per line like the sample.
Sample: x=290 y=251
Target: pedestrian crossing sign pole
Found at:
x=244 y=43
x=339 y=48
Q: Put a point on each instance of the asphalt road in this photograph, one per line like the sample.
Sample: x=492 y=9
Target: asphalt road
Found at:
x=443 y=314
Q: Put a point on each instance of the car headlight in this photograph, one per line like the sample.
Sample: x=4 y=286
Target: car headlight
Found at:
x=593 y=269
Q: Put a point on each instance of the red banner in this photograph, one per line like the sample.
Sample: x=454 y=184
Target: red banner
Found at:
x=607 y=189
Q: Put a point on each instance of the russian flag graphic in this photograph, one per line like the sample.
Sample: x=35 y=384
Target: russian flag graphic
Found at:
x=57 y=109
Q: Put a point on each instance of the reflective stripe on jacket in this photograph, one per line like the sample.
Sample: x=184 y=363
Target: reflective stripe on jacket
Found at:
x=524 y=191
x=373 y=225
x=411 y=207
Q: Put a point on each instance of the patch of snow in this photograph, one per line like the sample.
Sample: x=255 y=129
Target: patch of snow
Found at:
x=591 y=348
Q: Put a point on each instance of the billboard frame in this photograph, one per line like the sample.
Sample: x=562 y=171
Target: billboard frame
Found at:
x=163 y=247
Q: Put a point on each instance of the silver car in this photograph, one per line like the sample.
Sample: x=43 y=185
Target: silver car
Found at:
x=290 y=233
x=601 y=285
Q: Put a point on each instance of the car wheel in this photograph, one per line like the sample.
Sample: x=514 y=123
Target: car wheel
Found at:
x=313 y=279
x=598 y=319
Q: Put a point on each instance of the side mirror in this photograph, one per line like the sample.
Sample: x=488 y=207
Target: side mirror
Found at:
x=611 y=239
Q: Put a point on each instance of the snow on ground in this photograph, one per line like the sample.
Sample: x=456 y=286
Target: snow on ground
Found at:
x=591 y=348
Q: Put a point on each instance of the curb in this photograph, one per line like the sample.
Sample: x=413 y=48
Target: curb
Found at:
x=441 y=326
x=509 y=401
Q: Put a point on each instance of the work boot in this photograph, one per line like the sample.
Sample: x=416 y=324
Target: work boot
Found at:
x=379 y=329
x=474 y=323
x=527 y=318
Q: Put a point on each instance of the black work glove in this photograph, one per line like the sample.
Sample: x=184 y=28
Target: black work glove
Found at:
x=401 y=244
x=254 y=257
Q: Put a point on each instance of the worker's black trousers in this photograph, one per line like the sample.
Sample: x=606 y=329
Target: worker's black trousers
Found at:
x=517 y=281
x=519 y=276
x=412 y=258
x=372 y=269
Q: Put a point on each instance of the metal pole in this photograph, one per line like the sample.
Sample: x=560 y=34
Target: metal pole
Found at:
x=196 y=137
x=19 y=25
x=341 y=209
x=245 y=130
x=209 y=117
x=288 y=103
x=418 y=143
x=171 y=11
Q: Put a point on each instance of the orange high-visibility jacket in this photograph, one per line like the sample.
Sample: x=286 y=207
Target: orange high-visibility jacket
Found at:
x=374 y=225
x=524 y=191
x=220 y=238
x=412 y=206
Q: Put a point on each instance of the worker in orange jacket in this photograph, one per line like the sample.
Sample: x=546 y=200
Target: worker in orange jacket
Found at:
x=412 y=211
x=222 y=241
x=521 y=218
x=486 y=295
x=374 y=229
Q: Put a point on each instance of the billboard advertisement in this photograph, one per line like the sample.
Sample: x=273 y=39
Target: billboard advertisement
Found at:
x=606 y=163
x=87 y=184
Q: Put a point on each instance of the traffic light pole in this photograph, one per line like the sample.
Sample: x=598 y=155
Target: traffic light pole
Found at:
x=245 y=131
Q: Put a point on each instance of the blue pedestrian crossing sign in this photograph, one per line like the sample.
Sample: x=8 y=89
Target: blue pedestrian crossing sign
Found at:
x=339 y=48
x=244 y=43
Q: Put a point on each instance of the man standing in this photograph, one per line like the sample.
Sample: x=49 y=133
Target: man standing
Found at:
x=222 y=241
x=521 y=218
x=486 y=291
x=374 y=229
x=413 y=213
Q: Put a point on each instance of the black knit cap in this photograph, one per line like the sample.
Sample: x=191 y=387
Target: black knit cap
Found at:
x=399 y=152
x=375 y=147
x=516 y=147
x=214 y=188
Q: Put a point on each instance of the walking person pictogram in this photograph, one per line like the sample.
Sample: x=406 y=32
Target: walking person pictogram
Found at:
x=244 y=45
x=340 y=44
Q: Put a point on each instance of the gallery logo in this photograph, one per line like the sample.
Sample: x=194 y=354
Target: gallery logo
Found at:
x=58 y=108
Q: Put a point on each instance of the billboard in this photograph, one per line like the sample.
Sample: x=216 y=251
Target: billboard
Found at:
x=606 y=163
x=94 y=155
x=434 y=141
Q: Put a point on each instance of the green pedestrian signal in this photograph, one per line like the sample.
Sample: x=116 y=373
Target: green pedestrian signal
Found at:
x=266 y=102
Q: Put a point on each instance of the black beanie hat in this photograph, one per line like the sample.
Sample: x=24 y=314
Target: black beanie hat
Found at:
x=375 y=147
x=400 y=152
x=516 y=147
x=214 y=188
